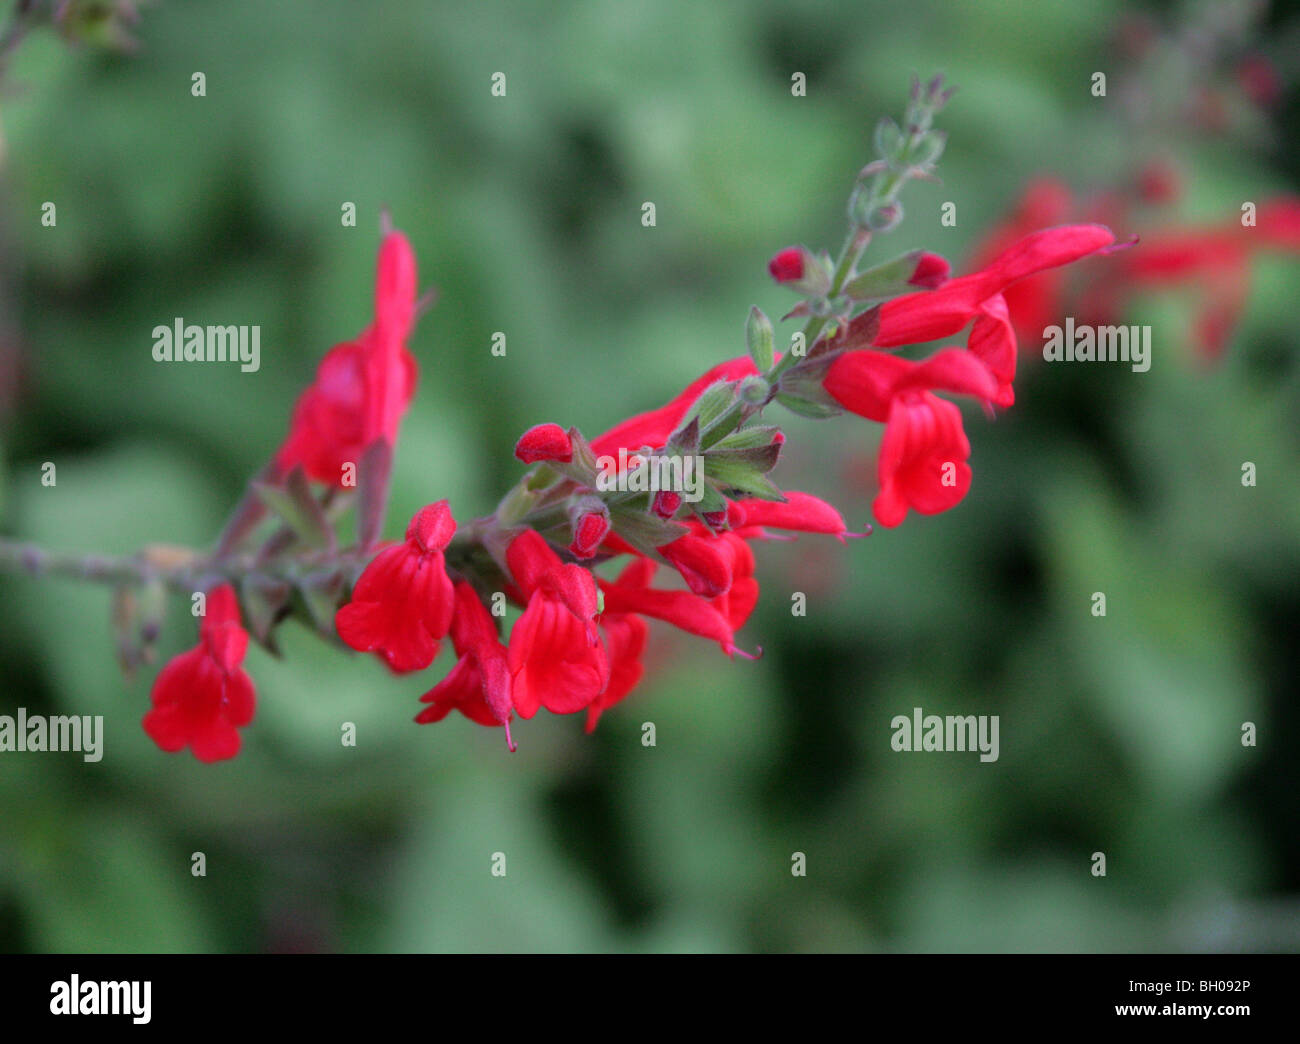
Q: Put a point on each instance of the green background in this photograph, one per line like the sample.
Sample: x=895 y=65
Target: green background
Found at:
x=1119 y=735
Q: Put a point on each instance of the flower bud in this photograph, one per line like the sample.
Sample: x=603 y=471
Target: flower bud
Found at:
x=544 y=442
x=589 y=518
x=932 y=271
x=666 y=503
x=886 y=218
x=755 y=391
x=800 y=269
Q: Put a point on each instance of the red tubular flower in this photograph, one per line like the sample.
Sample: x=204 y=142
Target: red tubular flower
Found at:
x=544 y=442
x=555 y=656
x=801 y=511
x=931 y=314
x=625 y=640
x=202 y=697
x=632 y=593
x=1212 y=260
x=867 y=382
x=479 y=685
x=362 y=387
x=705 y=568
x=738 y=601
x=922 y=459
x=1034 y=302
x=402 y=606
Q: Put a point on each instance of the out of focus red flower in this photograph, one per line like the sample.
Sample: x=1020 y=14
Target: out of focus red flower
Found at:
x=362 y=387
x=202 y=697
x=479 y=685
x=556 y=658
x=1211 y=260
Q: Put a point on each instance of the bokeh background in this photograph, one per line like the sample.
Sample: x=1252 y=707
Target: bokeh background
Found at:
x=1119 y=735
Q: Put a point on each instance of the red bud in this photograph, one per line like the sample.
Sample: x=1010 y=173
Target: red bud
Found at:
x=787 y=265
x=544 y=442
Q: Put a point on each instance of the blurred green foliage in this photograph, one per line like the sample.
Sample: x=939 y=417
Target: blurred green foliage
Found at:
x=1119 y=735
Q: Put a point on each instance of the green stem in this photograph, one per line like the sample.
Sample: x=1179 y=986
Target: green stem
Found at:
x=184 y=574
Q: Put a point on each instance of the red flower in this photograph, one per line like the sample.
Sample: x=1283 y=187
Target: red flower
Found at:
x=738 y=601
x=801 y=511
x=787 y=265
x=931 y=314
x=1213 y=261
x=555 y=656
x=980 y=297
x=922 y=458
x=867 y=382
x=923 y=454
x=544 y=442
x=632 y=593
x=402 y=606
x=362 y=387
x=625 y=640
x=202 y=697
x=479 y=685
x=702 y=564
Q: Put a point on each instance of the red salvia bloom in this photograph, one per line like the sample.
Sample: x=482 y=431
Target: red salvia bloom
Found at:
x=1212 y=260
x=704 y=566
x=202 y=697
x=931 y=314
x=625 y=641
x=801 y=511
x=402 y=606
x=479 y=685
x=362 y=387
x=922 y=459
x=556 y=658
x=922 y=462
x=738 y=601
x=632 y=593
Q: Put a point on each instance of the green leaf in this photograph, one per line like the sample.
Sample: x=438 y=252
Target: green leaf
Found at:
x=320 y=594
x=885 y=280
x=265 y=603
x=643 y=531
x=806 y=408
x=888 y=138
x=298 y=509
x=744 y=470
x=747 y=438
